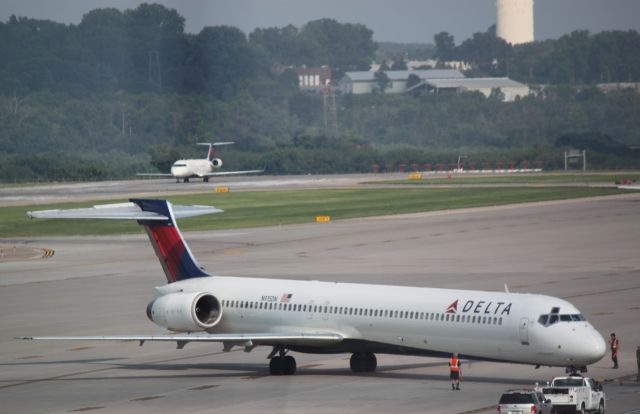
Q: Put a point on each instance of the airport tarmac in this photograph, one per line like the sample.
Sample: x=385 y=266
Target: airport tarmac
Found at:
x=16 y=195
x=101 y=190
x=583 y=250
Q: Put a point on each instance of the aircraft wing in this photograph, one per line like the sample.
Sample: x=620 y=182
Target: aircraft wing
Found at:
x=222 y=173
x=629 y=187
x=229 y=340
x=154 y=174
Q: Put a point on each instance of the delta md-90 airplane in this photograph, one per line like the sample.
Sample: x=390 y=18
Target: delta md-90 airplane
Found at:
x=330 y=318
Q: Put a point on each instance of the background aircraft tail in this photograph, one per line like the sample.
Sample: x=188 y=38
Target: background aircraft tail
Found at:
x=158 y=218
x=211 y=154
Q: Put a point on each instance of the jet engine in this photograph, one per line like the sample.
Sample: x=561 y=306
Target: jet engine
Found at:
x=185 y=312
x=216 y=162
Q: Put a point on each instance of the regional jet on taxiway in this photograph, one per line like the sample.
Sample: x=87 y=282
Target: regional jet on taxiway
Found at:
x=200 y=168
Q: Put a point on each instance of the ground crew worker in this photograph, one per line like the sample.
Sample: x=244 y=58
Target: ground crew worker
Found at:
x=454 y=372
x=614 y=344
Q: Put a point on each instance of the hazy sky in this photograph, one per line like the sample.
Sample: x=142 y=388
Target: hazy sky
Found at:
x=391 y=20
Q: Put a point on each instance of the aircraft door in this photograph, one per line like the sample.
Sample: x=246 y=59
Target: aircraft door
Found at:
x=325 y=311
x=524 y=331
x=310 y=309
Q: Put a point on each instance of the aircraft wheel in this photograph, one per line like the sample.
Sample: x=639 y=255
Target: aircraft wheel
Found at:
x=205 y=180
x=276 y=366
x=186 y=180
x=290 y=366
x=370 y=362
x=358 y=362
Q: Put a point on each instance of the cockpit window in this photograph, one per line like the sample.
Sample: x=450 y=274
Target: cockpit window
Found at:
x=554 y=317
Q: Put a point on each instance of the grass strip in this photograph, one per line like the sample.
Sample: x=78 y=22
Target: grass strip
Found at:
x=569 y=179
x=264 y=208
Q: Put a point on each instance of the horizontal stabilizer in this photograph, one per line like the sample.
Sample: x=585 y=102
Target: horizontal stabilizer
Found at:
x=122 y=211
x=216 y=144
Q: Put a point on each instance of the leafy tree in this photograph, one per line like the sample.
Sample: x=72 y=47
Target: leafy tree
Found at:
x=445 y=46
x=382 y=80
x=487 y=52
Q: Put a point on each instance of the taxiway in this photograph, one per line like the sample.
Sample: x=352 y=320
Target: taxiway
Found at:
x=583 y=250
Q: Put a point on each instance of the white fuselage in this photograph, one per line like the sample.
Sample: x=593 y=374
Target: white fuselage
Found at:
x=405 y=320
x=191 y=168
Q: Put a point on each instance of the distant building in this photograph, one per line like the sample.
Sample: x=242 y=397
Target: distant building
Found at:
x=315 y=78
x=309 y=78
x=514 y=21
x=365 y=82
x=619 y=86
x=510 y=88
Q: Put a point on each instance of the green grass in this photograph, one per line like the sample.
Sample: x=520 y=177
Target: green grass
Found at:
x=517 y=179
x=263 y=208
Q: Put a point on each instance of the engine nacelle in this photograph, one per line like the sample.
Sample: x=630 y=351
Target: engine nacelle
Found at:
x=216 y=162
x=185 y=312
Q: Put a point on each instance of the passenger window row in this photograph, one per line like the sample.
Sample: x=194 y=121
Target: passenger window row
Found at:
x=376 y=313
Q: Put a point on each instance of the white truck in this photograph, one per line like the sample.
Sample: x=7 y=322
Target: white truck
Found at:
x=574 y=394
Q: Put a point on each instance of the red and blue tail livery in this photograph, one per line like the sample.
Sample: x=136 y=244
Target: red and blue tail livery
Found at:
x=171 y=249
x=159 y=220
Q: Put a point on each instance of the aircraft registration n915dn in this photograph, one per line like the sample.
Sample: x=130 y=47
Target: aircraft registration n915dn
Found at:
x=202 y=168
x=329 y=318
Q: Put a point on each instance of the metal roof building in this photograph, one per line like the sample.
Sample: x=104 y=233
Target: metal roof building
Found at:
x=364 y=82
x=510 y=88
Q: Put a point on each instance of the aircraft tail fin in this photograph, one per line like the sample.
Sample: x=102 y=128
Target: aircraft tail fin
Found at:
x=211 y=154
x=158 y=218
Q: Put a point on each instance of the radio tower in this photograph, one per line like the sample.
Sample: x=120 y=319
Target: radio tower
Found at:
x=330 y=113
x=155 y=75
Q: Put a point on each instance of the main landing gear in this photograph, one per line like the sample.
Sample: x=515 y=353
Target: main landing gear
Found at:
x=281 y=364
x=363 y=362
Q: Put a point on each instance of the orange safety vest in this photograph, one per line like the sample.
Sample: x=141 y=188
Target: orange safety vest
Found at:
x=614 y=343
x=454 y=365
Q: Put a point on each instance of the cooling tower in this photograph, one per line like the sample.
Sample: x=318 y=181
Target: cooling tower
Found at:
x=514 y=21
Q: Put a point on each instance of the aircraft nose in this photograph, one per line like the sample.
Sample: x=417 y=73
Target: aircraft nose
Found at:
x=594 y=346
x=599 y=345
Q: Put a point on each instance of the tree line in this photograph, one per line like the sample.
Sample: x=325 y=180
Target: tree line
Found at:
x=577 y=58
x=129 y=91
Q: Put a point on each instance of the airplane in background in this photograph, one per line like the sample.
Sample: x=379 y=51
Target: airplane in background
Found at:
x=329 y=317
x=202 y=168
